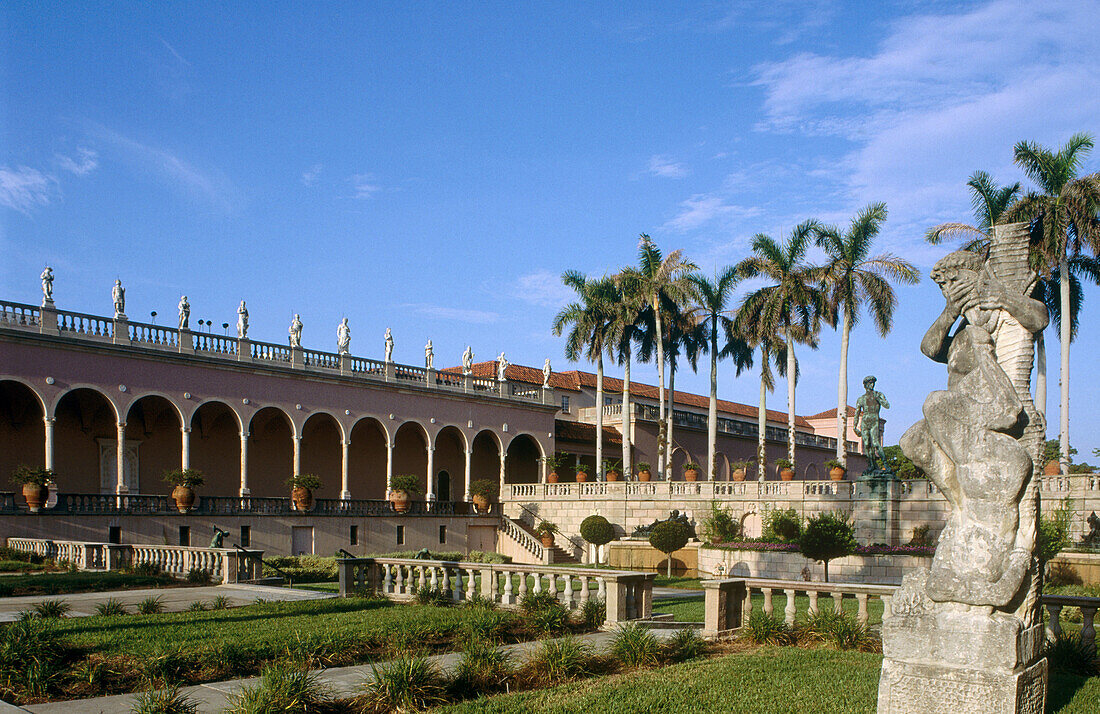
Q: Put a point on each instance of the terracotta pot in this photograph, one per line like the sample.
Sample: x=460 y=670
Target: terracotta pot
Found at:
x=400 y=501
x=1053 y=468
x=614 y=476
x=35 y=496
x=837 y=474
x=480 y=503
x=739 y=474
x=547 y=540
x=786 y=474
x=552 y=477
x=644 y=476
x=302 y=498
x=184 y=497
x=581 y=477
x=691 y=475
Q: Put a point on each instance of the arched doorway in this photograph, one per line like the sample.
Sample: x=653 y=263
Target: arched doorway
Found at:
x=270 y=452
x=153 y=426
x=443 y=486
x=680 y=457
x=22 y=429
x=449 y=464
x=485 y=459
x=522 y=463
x=410 y=453
x=85 y=444
x=722 y=472
x=367 y=459
x=751 y=525
x=322 y=451
x=215 y=446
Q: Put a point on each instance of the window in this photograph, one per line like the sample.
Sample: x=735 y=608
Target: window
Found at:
x=185 y=535
x=565 y=403
x=442 y=535
x=114 y=534
x=608 y=401
x=401 y=535
x=246 y=536
x=354 y=536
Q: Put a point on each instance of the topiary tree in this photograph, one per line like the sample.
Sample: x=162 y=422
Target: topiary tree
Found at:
x=668 y=537
x=827 y=536
x=598 y=531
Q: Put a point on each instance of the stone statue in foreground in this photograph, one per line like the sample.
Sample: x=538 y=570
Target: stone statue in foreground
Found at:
x=966 y=635
x=869 y=424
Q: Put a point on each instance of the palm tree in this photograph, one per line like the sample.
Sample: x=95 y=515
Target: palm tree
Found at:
x=710 y=312
x=790 y=310
x=591 y=317
x=771 y=351
x=687 y=337
x=1063 y=213
x=626 y=328
x=658 y=278
x=990 y=203
x=852 y=280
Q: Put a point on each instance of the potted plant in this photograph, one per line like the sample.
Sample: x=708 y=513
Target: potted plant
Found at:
x=482 y=492
x=545 y=531
x=582 y=472
x=691 y=471
x=738 y=469
x=643 y=471
x=613 y=469
x=302 y=487
x=785 y=471
x=184 y=481
x=836 y=469
x=554 y=463
x=402 y=487
x=34 y=482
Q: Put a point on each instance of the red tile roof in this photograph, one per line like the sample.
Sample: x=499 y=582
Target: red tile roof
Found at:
x=831 y=413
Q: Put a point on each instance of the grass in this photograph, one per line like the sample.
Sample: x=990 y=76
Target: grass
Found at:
x=80 y=582
x=20 y=566
x=689 y=608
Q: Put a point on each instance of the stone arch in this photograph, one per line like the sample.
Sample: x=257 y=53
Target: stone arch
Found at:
x=22 y=429
x=322 y=449
x=215 y=447
x=270 y=452
x=680 y=456
x=752 y=525
x=153 y=424
x=522 y=462
x=85 y=441
x=410 y=452
x=722 y=472
x=485 y=455
x=367 y=459
x=449 y=460
x=812 y=472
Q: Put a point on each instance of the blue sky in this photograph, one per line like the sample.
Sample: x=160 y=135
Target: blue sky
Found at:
x=434 y=167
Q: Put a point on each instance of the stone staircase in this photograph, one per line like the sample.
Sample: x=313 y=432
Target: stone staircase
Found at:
x=558 y=555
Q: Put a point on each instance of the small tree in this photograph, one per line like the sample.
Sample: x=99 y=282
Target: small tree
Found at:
x=598 y=531
x=719 y=526
x=782 y=526
x=827 y=536
x=668 y=537
x=1053 y=536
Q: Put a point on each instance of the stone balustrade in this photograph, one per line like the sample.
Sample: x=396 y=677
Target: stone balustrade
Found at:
x=690 y=490
x=1088 y=606
x=627 y=595
x=525 y=540
x=225 y=565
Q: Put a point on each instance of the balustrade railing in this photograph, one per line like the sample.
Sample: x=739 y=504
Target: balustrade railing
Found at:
x=1087 y=605
x=106 y=503
x=16 y=314
x=484 y=384
x=411 y=374
x=147 y=334
x=325 y=360
x=270 y=352
x=627 y=595
x=702 y=490
x=88 y=325
x=524 y=539
x=216 y=344
x=362 y=365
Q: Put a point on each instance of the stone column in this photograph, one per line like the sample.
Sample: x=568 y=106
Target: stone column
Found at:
x=244 y=464
x=120 y=457
x=120 y=330
x=503 y=456
x=296 y=469
x=430 y=496
x=186 y=341
x=466 y=493
x=542 y=470
x=49 y=424
x=430 y=379
x=297 y=358
x=345 y=493
x=244 y=349
x=389 y=466
x=185 y=448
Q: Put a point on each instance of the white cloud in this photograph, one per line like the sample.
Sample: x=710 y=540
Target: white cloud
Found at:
x=702 y=209
x=440 y=312
x=541 y=288
x=25 y=189
x=310 y=176
x=665 y=167
x=365 y=185
x=84 y=163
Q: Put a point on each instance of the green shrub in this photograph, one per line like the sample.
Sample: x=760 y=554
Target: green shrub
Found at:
x=486 y=488
x=153 y=605
x=593 y=613
x=781 y=526
x=597 y=530
x=192 y=478
x=561 y=660
x=282 y=687
x=164 y=701
x=221 y=602
x=27 y=474
x=1067 y=653
x=838 y=631
x=487 y=624
x=409 y=483
x=199 y=576
x=403 y=684
x=922 y=536
x=31 y=654
x=1053 y=535
x=310 y=481
x=147 y=569
x=428 y=595
x=304 y=568
x=634 y=645
x=684 y=645
x=768 y=630
x=827 y=536
x=719 y=526
x=110 y=607
x=168 y=666
x=484 y=668
x=51 y=609
x=550 y=619
x=7 y=553
x=668 y=537
x=536 y=601
x=197 y=606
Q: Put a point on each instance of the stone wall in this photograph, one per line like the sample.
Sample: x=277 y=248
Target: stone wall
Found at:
x=868 y=569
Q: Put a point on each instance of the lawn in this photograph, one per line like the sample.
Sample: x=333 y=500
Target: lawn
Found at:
x=689 y=608
x=776 y=680
x=80 y=582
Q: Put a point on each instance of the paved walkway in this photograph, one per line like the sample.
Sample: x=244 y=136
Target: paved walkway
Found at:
x=173 y=599
x=339 y=681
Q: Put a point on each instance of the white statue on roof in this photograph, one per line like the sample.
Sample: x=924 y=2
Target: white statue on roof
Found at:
x=502 y=365
x=389 y=345
x=429 y=355
x=343 y=337
x=47 y=285
x=468 y=360
x=546 y=372
x=118 y=294
x=185 y=312
x=296 y=331
x=242 y=321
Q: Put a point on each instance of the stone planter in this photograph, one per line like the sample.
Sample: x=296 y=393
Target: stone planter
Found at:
x=786 y=474
x=400 y=501
x=184 y=497
x=739 y=474
x=35 y=496
x=581 y=477
x=547 y=540
x=837 y=474
x=614 y=476
x=691 y=475
x=552 y=477
x=481 y=503
x=302 y=498
x=644 y=476
x=1053 y=468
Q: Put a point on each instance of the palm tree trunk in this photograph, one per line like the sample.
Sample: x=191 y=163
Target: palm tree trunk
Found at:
x=712 y=412
x=671 y=412
x=1041 y=374
x=790 y=398
x=1063 y=339
x=660 y=390
x=599 y=418
x=762 y=421
x=624 y=420
x=842 y=395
